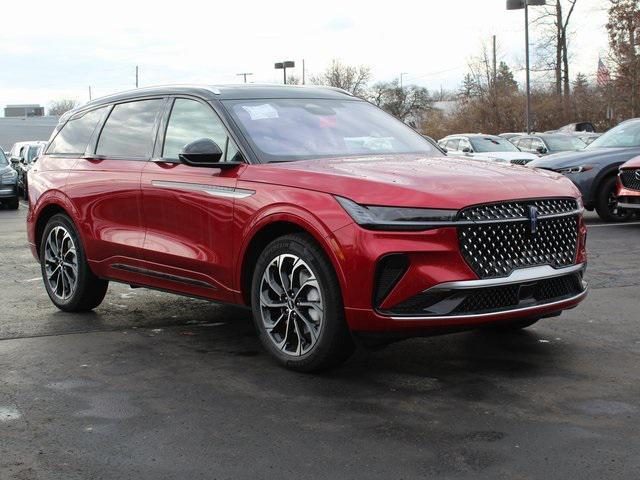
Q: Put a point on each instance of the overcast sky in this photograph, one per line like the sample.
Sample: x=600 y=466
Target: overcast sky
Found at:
x=50 y=50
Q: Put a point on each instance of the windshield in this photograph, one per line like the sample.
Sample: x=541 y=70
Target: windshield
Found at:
x=296 y=129
x=492 y=144
x=625 y=135
x=3 y=159
x=563 y=144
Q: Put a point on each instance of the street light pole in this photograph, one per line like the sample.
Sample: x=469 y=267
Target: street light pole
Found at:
x=526 y=36
x=245 y=75
x=284 y=65
x=519 y=5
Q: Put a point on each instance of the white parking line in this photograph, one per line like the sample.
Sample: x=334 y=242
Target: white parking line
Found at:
x=612 y=224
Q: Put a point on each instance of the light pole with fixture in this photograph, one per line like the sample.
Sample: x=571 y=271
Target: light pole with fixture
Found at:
x=519 y=5
x=284 y=66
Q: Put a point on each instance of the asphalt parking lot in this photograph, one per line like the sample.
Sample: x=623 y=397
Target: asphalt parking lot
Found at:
x=156 y=386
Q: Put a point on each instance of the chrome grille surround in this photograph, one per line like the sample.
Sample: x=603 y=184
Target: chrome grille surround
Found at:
x=630 y=178
x=496 y=239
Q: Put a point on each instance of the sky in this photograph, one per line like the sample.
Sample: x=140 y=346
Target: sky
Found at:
x=51 y=50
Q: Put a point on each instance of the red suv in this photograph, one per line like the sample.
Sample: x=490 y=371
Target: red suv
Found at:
x=629 y=185
x=330 y=218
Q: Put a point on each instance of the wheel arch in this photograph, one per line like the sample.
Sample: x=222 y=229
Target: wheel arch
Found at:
x=53 y=206
x=267 y=230
x=603 y=175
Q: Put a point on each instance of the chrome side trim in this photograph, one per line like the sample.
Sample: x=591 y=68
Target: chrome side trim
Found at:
x=213 y=190
x=493 y=314
x=162 y=275
x=517 y=276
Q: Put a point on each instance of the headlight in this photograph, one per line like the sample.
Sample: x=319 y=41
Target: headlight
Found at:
x=396 y=218
x=9 y=175
x=580 y=203
x=576 y=169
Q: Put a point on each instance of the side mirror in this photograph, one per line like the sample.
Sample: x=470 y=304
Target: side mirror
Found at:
x=444 y=149
x=467 y=150
x=204 y=153
x=541 y=150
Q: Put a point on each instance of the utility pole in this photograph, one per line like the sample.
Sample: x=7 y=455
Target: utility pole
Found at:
x=495 y=61
x=136 y=76
x=89 y=92
x=245 y=75
x=401 y=75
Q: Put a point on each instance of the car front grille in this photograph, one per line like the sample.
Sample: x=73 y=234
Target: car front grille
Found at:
x=520 y=161
x=497 y=238
x=631 y=179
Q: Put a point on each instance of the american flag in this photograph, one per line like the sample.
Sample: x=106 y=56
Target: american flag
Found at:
x=604 y=77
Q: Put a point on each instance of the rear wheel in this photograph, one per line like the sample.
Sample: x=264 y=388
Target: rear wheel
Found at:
x=297 y=306
x=607 y=203
x=69 y=281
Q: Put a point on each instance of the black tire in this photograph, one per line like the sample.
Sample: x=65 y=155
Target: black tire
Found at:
x=333 y=343
x=513 y=326
x=89 y=290
x=13 y=204
x=606 y=203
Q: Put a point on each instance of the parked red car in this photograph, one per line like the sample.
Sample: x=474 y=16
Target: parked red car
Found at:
x=629 y=185
x=330 y=218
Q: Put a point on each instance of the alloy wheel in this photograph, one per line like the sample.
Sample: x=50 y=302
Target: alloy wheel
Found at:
x=61 y=263
x=291 y=304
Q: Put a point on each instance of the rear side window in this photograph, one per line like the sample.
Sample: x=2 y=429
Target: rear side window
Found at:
x=129 y=130
x=74 y=136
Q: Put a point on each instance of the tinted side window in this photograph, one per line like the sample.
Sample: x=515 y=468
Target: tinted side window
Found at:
x=75 y=134
x=453 y=144
x=524 y=144
x=536 y=144
x=189 y=121
x=129 y=130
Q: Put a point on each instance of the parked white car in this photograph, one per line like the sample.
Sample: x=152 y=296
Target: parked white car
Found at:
x=485 y=147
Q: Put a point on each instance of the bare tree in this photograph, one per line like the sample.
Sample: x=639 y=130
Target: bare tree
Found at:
x=353 y=79
x=58 y=107
x=553 y=48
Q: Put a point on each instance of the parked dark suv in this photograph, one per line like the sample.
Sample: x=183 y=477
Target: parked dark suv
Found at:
x=595 y=169
x=327 y=216
x=8 y=183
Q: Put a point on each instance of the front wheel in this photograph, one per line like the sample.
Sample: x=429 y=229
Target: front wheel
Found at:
x=297 y=306
x=607 y=203
x=70 y=283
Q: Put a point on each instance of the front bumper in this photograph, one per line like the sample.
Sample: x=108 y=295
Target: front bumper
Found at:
x=8 y=191
x=437 y=269
x=627 y=198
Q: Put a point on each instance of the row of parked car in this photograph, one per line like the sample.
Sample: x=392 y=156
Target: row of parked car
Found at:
x=594 y=162
x=14 y=166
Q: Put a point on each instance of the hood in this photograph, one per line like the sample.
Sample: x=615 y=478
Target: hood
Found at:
x=600 y=156
x=507 y=156
x=5 y=169
x=414 y=180
x=633 y=163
